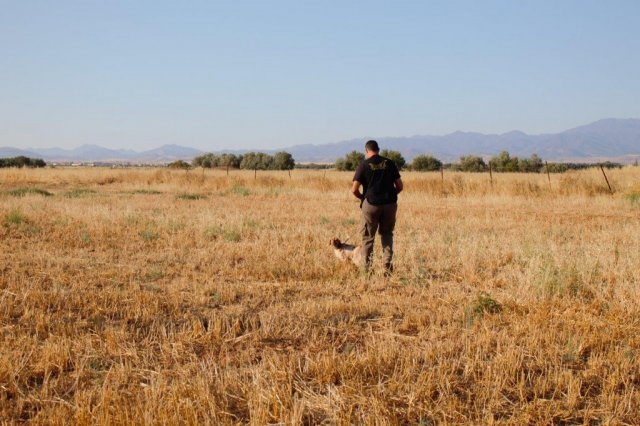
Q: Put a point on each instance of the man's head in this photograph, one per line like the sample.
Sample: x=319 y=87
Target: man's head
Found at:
x=371 y=148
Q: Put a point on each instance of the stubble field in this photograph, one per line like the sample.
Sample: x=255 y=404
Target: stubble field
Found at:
x=169 y=297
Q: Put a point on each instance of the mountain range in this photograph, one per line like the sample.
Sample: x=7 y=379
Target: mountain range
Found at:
x=608 y=139
x=95 y=153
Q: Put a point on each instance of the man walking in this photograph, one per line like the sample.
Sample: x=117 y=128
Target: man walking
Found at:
x=381 y=184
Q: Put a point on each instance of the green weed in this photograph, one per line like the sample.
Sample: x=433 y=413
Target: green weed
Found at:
x=215 y=232
x=21 y=192
x=633 y=197
x=187 y=196
x=149 y=235
x=80 y=192
x=14 y=217
x=239 y=190
x=145 y=191
x=483 y=303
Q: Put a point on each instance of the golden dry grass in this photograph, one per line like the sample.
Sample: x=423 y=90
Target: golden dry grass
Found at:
x=164 y=297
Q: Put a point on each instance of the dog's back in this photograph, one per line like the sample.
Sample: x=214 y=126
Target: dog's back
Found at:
x=347 y=252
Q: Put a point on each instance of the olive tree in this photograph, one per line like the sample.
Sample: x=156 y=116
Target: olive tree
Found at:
x=350 y=161
x=395 y=156
x=426 y=163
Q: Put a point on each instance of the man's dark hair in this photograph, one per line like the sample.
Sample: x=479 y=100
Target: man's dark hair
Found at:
x=372 y=146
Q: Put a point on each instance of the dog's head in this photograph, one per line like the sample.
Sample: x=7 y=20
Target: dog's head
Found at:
x=336 y=243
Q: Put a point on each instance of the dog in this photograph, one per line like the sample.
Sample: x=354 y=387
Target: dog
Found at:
x=347 y=252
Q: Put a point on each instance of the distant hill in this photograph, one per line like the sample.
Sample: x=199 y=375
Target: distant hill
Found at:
x=86 y=153
x=608 y=139
x=89 y=153
x=168 y=153
x=6 y=151
x=605 y=139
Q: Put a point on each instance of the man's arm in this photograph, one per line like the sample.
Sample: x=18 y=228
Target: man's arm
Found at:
x=399 y=186
x=355 y=190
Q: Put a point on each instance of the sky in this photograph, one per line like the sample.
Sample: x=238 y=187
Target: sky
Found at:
x=268 y=74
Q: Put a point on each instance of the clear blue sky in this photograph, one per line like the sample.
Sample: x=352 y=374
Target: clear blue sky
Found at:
x=264 y=74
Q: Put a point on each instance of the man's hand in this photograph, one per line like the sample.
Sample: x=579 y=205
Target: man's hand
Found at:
x=355 y=190
x=399 y=186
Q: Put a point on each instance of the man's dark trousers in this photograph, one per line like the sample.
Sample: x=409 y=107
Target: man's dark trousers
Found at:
x=381 y=219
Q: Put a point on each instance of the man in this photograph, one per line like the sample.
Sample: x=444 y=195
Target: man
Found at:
x=381 y=183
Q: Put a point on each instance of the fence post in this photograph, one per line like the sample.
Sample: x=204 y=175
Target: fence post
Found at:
x=605 y=178
x=546 y=166
x=490 y=175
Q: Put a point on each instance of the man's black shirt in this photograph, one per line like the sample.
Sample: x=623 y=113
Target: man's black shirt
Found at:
x=377 y=175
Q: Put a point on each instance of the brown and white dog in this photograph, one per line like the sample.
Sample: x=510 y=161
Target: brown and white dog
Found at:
x=347 y=252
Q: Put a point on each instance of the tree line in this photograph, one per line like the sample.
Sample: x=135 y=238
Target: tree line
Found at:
x=22 y=161
x=501 y=163
x=250 y=161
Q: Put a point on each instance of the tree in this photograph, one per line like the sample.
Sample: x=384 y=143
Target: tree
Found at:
x=249 y=161
x=472 y=163
x=179 y=164
x=556 y=167
x=22 y=161
x=350 y=161
x=426 y=163
x=256 y=161
x=229 y=160
x=532 y=164
x=206 y=161
x=503 y=162
x=265 y=161
x=198 y=161
x=283 y=161
x=609 y=165
x=395 y=156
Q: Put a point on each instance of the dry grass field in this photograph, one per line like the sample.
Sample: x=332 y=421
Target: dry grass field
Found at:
x=166 y=297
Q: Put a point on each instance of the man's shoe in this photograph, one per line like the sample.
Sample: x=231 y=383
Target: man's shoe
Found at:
x=388 y=270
